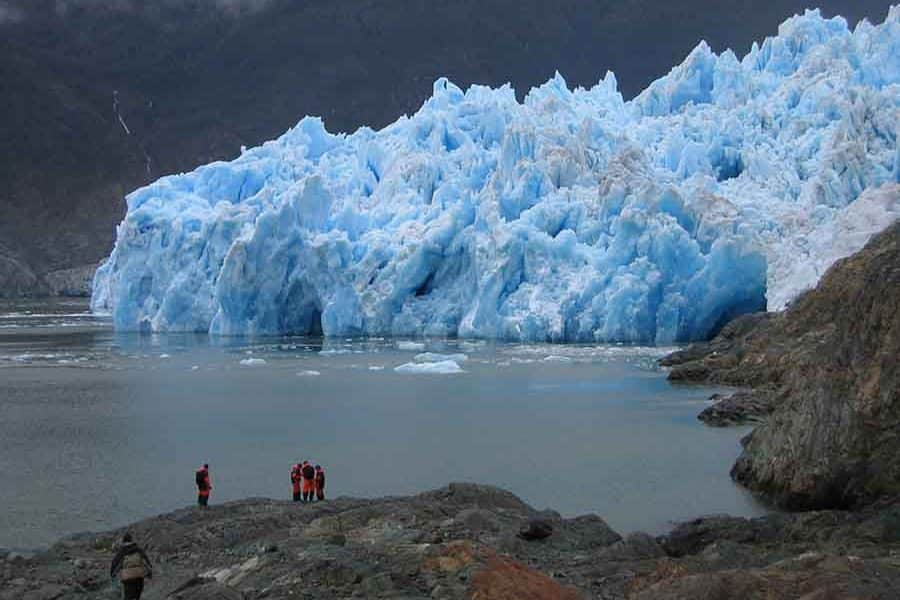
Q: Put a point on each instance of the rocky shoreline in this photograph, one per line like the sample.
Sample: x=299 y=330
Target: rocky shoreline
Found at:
x=472 y=541
x=824 y=377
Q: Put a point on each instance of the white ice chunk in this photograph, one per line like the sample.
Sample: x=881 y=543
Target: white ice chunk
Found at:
x=334 y=352
x=444 y=367
x=435 y=357
x=253 y=362
x=557 y=358
x=410 y=346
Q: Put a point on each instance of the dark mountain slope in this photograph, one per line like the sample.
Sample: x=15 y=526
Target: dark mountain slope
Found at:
x=194 y=83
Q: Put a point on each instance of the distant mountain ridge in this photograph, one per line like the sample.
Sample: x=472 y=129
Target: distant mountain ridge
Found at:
x=103 y=97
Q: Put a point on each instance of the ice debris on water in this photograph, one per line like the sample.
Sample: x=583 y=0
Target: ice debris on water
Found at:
x=435 y=357
x=726 y=186
x=253 y=362
x=444 y=367
x=557 y=359
x=410 y=346
x=308 y=373
x=334 y=352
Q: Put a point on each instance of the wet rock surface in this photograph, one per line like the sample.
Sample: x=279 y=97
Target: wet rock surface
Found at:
x=827 y=370
x=740 y=408
x=463 y=541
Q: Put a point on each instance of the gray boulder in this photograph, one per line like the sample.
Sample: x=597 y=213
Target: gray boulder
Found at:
x=536 y=529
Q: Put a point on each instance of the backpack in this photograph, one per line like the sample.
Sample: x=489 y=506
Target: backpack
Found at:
x=200 y=477
x=132 y=567
x=309 y=472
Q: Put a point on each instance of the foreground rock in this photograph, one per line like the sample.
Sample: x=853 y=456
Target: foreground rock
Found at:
x=829 y=366
x=464 y=541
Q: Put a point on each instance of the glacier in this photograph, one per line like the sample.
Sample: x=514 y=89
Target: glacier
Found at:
x=728 y=185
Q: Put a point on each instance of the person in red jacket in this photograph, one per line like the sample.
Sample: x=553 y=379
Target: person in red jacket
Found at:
x=320 y=483
x=297 y=482
x=309 y=481
x=204 y=487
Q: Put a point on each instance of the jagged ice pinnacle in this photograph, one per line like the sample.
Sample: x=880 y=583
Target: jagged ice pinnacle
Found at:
x=726 y=186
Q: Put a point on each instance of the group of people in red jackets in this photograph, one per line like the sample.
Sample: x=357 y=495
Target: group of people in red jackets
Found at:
x=307 y=483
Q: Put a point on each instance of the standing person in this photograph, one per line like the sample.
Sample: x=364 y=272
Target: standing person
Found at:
x=296 y=482
x=131 y=564
x=203 y=485
x=309 y=481
x=320 y=483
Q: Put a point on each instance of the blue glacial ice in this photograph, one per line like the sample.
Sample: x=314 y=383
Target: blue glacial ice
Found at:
x=728 y=185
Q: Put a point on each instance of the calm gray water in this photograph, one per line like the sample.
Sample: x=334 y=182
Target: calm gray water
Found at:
x=99 y=429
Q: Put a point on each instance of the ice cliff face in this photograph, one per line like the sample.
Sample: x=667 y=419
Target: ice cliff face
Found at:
x=575 y=216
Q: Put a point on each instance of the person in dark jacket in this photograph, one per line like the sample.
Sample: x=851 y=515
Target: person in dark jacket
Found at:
x=320 y=483
x=131 y=564
x=309 y=481
x=204 y=486
x=296 y=482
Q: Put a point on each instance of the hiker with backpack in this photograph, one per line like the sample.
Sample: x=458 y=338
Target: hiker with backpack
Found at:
x=320 y=483
x=309 y=481
x=203 y=485
x=297 y=481
x=132 y=565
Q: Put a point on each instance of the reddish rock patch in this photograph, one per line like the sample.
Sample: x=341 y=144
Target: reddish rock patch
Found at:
x=507 y=579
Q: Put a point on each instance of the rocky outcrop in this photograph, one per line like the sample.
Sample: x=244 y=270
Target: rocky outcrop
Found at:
x=739 y=408
x=829 y=367
x=17 y=279
x=74 y=282
x=463 y=541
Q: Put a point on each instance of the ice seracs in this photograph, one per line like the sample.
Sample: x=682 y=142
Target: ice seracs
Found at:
x=728 y=185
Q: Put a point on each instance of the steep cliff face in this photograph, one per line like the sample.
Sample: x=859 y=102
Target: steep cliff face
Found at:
x=831 y=359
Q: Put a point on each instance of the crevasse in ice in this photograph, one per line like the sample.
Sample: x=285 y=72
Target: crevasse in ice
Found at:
x=728 y=185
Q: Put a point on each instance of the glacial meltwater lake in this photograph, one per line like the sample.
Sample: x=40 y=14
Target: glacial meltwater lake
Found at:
x=99 y=429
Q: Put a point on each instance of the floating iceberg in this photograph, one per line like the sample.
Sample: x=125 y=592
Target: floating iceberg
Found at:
x=410 y=346
x=253 y=362
x=726 y=186
x=435 y=357
x=444 y=367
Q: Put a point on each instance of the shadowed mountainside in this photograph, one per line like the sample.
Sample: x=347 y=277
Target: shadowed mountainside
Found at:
x=96 y=101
